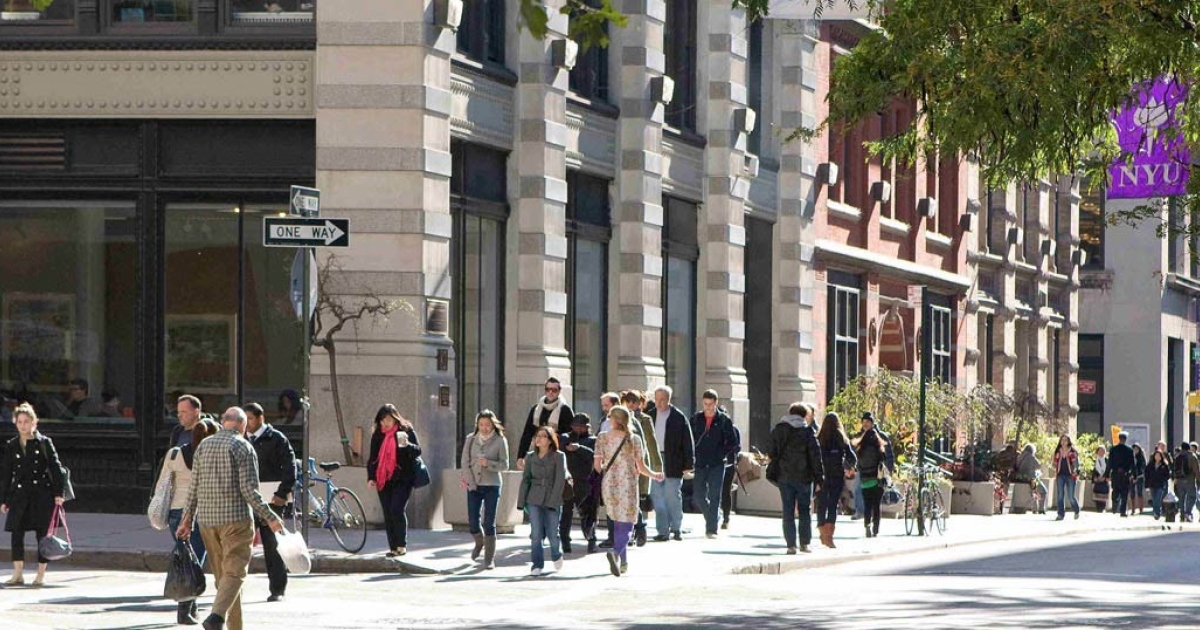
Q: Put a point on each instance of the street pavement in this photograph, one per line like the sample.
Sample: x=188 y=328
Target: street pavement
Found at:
x=1099 y=579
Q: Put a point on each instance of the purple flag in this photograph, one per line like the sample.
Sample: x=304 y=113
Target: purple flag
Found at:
x=1147 y=129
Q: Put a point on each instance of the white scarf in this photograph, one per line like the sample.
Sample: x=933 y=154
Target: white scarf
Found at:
x=542 y=405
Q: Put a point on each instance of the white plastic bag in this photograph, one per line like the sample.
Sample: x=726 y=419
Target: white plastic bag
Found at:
x=294 y=552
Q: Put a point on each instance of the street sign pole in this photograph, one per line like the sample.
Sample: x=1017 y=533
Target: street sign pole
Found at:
x=305 y=403
x=926 y=352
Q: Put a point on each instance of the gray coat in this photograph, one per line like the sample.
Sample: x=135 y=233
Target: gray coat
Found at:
x=543 y=481
x=495 y=451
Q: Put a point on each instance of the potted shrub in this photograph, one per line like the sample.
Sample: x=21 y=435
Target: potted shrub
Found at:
x=24 y=9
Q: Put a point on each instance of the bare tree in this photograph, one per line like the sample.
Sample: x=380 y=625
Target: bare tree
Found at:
x=331 y=316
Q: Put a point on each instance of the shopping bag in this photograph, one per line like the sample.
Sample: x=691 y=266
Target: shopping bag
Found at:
x=159 y=510
x=185 y=576
x=52 y=547
x=294 y=552
x=421 y=476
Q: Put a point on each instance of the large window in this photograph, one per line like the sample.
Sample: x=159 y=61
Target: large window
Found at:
x=479 y=207
x=842 y=331
x=153 y=16
x=589 y=77
x=589 y=228
x=942 y=367
x=481 y=32
x=1091 y=225
x=37 y=11
x=68 y=286
x=1091 y=383
x=681 y=251
x=679 y=44
x=754 y=87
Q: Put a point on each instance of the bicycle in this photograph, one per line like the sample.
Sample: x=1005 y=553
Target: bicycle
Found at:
x=340 y=512
x=928 y=494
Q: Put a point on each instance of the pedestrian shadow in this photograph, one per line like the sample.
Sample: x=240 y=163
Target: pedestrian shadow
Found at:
x=101 y=601
x=765 y=554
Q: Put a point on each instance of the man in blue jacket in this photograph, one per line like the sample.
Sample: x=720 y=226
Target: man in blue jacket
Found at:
x=674 y=437
x=715 y=442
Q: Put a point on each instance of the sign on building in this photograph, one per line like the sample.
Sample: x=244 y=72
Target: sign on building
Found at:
x=1154 y=158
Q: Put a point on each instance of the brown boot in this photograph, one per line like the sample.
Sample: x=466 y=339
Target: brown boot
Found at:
x=478 y=546
x=489 y=552
x=829 y=528
x=824 y=529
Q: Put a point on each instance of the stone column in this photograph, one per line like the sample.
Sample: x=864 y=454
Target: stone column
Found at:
x=537 y=304
x=383 y=161
x=1068 y=241
x=638 y=213
x=1041 y=202
x=798 y=76
x=723 y=221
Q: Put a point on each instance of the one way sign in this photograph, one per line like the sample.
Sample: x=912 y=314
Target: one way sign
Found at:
x=294 y=232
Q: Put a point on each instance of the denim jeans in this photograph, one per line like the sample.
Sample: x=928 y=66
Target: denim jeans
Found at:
x=1064 y=488
x=827 y=499
x=543 y=523
x=796 y=496
x=483 y=498
x=706 y=495
x=173 y=519
x=1156 y=500
x=859 y=505
x=1185 y=489
x=668 y=505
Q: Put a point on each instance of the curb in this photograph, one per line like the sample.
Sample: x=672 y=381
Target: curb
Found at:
x=786 y=566
x=157 y=561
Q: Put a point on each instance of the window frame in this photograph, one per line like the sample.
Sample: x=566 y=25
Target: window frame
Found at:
x=579 y=229
x=686 y=249
x=848 y=286
x=680 y=23
x=94 y=23
x=484 y=45
x=1093 y=262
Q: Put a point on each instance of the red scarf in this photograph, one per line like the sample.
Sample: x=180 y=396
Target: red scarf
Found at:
x=386 y=465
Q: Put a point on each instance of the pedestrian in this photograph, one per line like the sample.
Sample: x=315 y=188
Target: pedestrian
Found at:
x=178 y=463
x=551 y=410
x=1066 y=474
x=794 y=446
x=1158 y=474
x=579 y=445
x=277 y=481
x=642 y=425
x=1100 y=487
x=391 y=470
x=31 y=488
x=1028 y=471
x=727 y=486
x=484 y=460
x=838 y=463
x=1121 y=464
x=541 y=496
x=223 y=498
x=715 y=443
x=608 y=401
x=1137 y=483
x=871 y=450
x=674 y=436
x=188 y=410
x=1185 y=470
x=620 y=461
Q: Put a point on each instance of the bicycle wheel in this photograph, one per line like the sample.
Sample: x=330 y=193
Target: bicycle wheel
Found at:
x=910 y=510
x=939 y=512
x=348 y=521
x=927 y=515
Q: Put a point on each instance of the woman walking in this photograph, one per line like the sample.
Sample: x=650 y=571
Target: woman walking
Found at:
x=31 y=487
x=619 y=460
x=391 y=469
x=838 y=461
x=484 y=458
x=1137 y=482
x=871 y=450
x=1158 y=475
x=1100 y=487
x=541 y=496
x=178 y=464
x=1066 y=473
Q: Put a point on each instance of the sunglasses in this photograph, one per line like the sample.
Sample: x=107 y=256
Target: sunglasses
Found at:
x=553 y=390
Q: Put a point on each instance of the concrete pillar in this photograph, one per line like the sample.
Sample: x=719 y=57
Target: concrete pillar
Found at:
x=1068 y=240
x=637 y=237
x=383 y=161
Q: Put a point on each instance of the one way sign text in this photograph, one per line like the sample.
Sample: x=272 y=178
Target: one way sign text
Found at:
x=294 y=232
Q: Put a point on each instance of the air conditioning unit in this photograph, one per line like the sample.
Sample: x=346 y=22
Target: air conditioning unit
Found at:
x=563 y=53
x=1016 y=236
x=881 y=191
x=447 y=13
x=1079 y=258
x=744 y=119
x=662 y=89
x=927 y=207
x=827 y=174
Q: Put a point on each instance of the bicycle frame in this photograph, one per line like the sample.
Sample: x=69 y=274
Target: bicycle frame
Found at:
x=330 y=490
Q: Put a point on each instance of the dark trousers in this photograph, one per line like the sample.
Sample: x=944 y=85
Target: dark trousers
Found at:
x=18 y=545
x=587 y=519
x=706 y=494
x=277 y=575
x=1120 y=494
x=727 y=492
x=871 y=499
x=394 y=500
x=827 y=499
x=796 y=497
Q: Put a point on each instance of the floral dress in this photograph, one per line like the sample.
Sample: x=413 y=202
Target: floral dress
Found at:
x=620 y=485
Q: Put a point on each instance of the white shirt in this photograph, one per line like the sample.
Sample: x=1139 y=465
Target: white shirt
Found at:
x=660 y=426
x=257 y=434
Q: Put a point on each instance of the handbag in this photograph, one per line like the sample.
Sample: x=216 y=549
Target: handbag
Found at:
x=600 y=477
x=294 y=552
x=185 y=577
x=68 y=491
x=421 y=474
x=52 y=547
x=159 y=511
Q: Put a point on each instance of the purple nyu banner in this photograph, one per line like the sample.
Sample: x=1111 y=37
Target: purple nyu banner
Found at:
x=1147 y=130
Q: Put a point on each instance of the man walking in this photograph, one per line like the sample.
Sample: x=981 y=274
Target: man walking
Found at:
x=223 y=499
x=1186 y=469
x=715 y=444
x=1120 y=467
x=580 y=447
x=550 y=410
x=277 y=478
x=674 y=437
x=188 y=410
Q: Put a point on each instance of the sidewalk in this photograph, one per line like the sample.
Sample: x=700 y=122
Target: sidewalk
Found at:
x=752 y=545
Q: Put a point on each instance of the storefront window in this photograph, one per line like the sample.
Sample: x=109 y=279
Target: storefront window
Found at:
x=68 y=286
x=37 y=10
x=272 y=11
x=135 y=11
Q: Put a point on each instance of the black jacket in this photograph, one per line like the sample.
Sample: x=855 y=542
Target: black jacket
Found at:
x=794 y=446
x=276 y=460
x=869 y=456
x=29 y=481
x=564 y=425
x=714 y=446
x=678 y=448
x=1157 y=476
x=1120 y=461
x=837 y=458
x=406 y=458
x=579 y=461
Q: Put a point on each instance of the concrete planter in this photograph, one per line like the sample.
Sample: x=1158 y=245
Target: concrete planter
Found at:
x=973 y=497
x=454 y=501
x=759 y=498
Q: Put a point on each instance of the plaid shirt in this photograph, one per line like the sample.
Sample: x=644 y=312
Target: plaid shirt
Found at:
x=224 y=487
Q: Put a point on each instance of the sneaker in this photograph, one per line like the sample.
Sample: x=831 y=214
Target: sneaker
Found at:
x=805 y=549
x=725 y=524
x=624 y=568
x=1077 y=516
x=710 y=535
x=1060 y=517
x=676 y=536
x=614 y=564
x=791 y=551
x=536 y=573
x=558 y=564
x=662 y=538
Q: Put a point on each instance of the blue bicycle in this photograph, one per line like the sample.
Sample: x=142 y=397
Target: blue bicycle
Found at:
x=339 y=510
